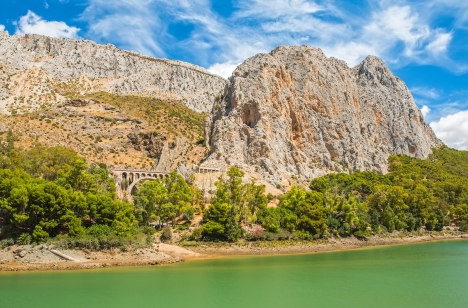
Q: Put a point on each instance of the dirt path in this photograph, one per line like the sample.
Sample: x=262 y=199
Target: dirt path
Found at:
x=177 y=251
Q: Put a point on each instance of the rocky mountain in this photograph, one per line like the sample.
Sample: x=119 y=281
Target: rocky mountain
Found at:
x=36 y=70
x=290 y=113
x=295 y=112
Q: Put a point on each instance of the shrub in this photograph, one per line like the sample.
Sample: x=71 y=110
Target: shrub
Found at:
x=104 y=242
x=24 y=239
x=98 y=231
x=269 y=236
x=166 y=235
x=213 y=229
x=183 y=227
x=39 y=234
x=7 y=242
x=463 y=226
x=196 y=234
x=302 y=235
x=361 y=235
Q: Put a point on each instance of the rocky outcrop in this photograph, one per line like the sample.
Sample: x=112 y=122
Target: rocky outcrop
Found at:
x=292 y=112
x=152 y=143
x=88 y=67
x=167 y=154
x=172 y=154
x=295 y=112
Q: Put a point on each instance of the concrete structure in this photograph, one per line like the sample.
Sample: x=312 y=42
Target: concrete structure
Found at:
x=208 y=169
x=126 y=179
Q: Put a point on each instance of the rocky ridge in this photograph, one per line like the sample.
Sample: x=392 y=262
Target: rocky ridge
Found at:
x=290 y=113
x=35 y=69
x=295 y=112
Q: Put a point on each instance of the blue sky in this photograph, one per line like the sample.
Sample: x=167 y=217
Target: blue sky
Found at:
x=424 y=42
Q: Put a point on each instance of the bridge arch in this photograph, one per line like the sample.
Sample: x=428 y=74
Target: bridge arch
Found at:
x=126 y=180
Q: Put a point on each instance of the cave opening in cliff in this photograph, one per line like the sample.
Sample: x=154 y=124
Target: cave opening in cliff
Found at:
x=250 y=114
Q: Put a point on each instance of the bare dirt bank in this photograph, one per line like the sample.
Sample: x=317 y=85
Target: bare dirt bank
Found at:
x=212 y=250
x=41 y=257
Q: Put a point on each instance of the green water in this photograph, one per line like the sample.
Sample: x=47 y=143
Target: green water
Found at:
x=420 y=275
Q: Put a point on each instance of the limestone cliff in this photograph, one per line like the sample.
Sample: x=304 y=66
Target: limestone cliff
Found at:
x=292 y=112
x=295 y=112
x=34 y=66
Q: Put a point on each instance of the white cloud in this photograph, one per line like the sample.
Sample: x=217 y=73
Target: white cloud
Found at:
x=440 y=44
x=453 y=130
x=391 y=31
x=425 y=110
x=397 y=23
x=277 y=8
x=32 y=23
x=353 y=53
x=130 y=24
x=223 y=69
x=2 y=28
x=426 y=92
x=454 y=7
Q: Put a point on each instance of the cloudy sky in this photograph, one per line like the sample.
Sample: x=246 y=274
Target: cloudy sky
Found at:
x=424 y=42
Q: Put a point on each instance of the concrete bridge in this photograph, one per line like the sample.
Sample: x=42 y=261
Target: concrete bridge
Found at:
x=126 y=179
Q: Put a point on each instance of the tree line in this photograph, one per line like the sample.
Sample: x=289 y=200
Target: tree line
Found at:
x=416 y=193
x=46 y=192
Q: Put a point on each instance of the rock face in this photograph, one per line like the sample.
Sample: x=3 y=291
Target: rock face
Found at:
x=295 y=112
x=89 y=67
x=152 y=143
x=167 y=154
x=292 y=112
x=172 y=154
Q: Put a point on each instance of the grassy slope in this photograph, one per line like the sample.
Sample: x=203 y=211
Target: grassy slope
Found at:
x=95 y=132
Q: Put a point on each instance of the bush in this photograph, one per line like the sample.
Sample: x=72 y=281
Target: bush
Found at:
x=269 y=236
x=213 y=230
x=361 y=235
x=463 y=226
x=183 y=227
x=104 y=242
x=98 y=231
x=7 y=242
x=302 y=235
x=166 y=235
x=196 y=234
x=24 y=239
x=148 y=230
x=39 y=234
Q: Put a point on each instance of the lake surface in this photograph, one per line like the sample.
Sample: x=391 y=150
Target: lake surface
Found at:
x=419 y=275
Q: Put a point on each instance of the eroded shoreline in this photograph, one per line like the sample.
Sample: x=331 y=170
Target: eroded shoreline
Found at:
x=162 y=254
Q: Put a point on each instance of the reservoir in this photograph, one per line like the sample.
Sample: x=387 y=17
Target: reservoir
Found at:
x=418 y=275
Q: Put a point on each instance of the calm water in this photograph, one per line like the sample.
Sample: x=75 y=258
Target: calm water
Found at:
x=420 y=275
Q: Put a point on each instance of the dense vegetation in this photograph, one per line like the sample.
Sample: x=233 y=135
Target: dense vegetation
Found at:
x=416 y=194
x=45 y=192
x=165 y=200
x=53 y=193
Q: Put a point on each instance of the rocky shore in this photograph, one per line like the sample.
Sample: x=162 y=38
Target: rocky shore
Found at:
x=43 y=257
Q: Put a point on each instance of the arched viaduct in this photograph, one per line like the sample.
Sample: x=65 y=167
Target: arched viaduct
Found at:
x=126 y=179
